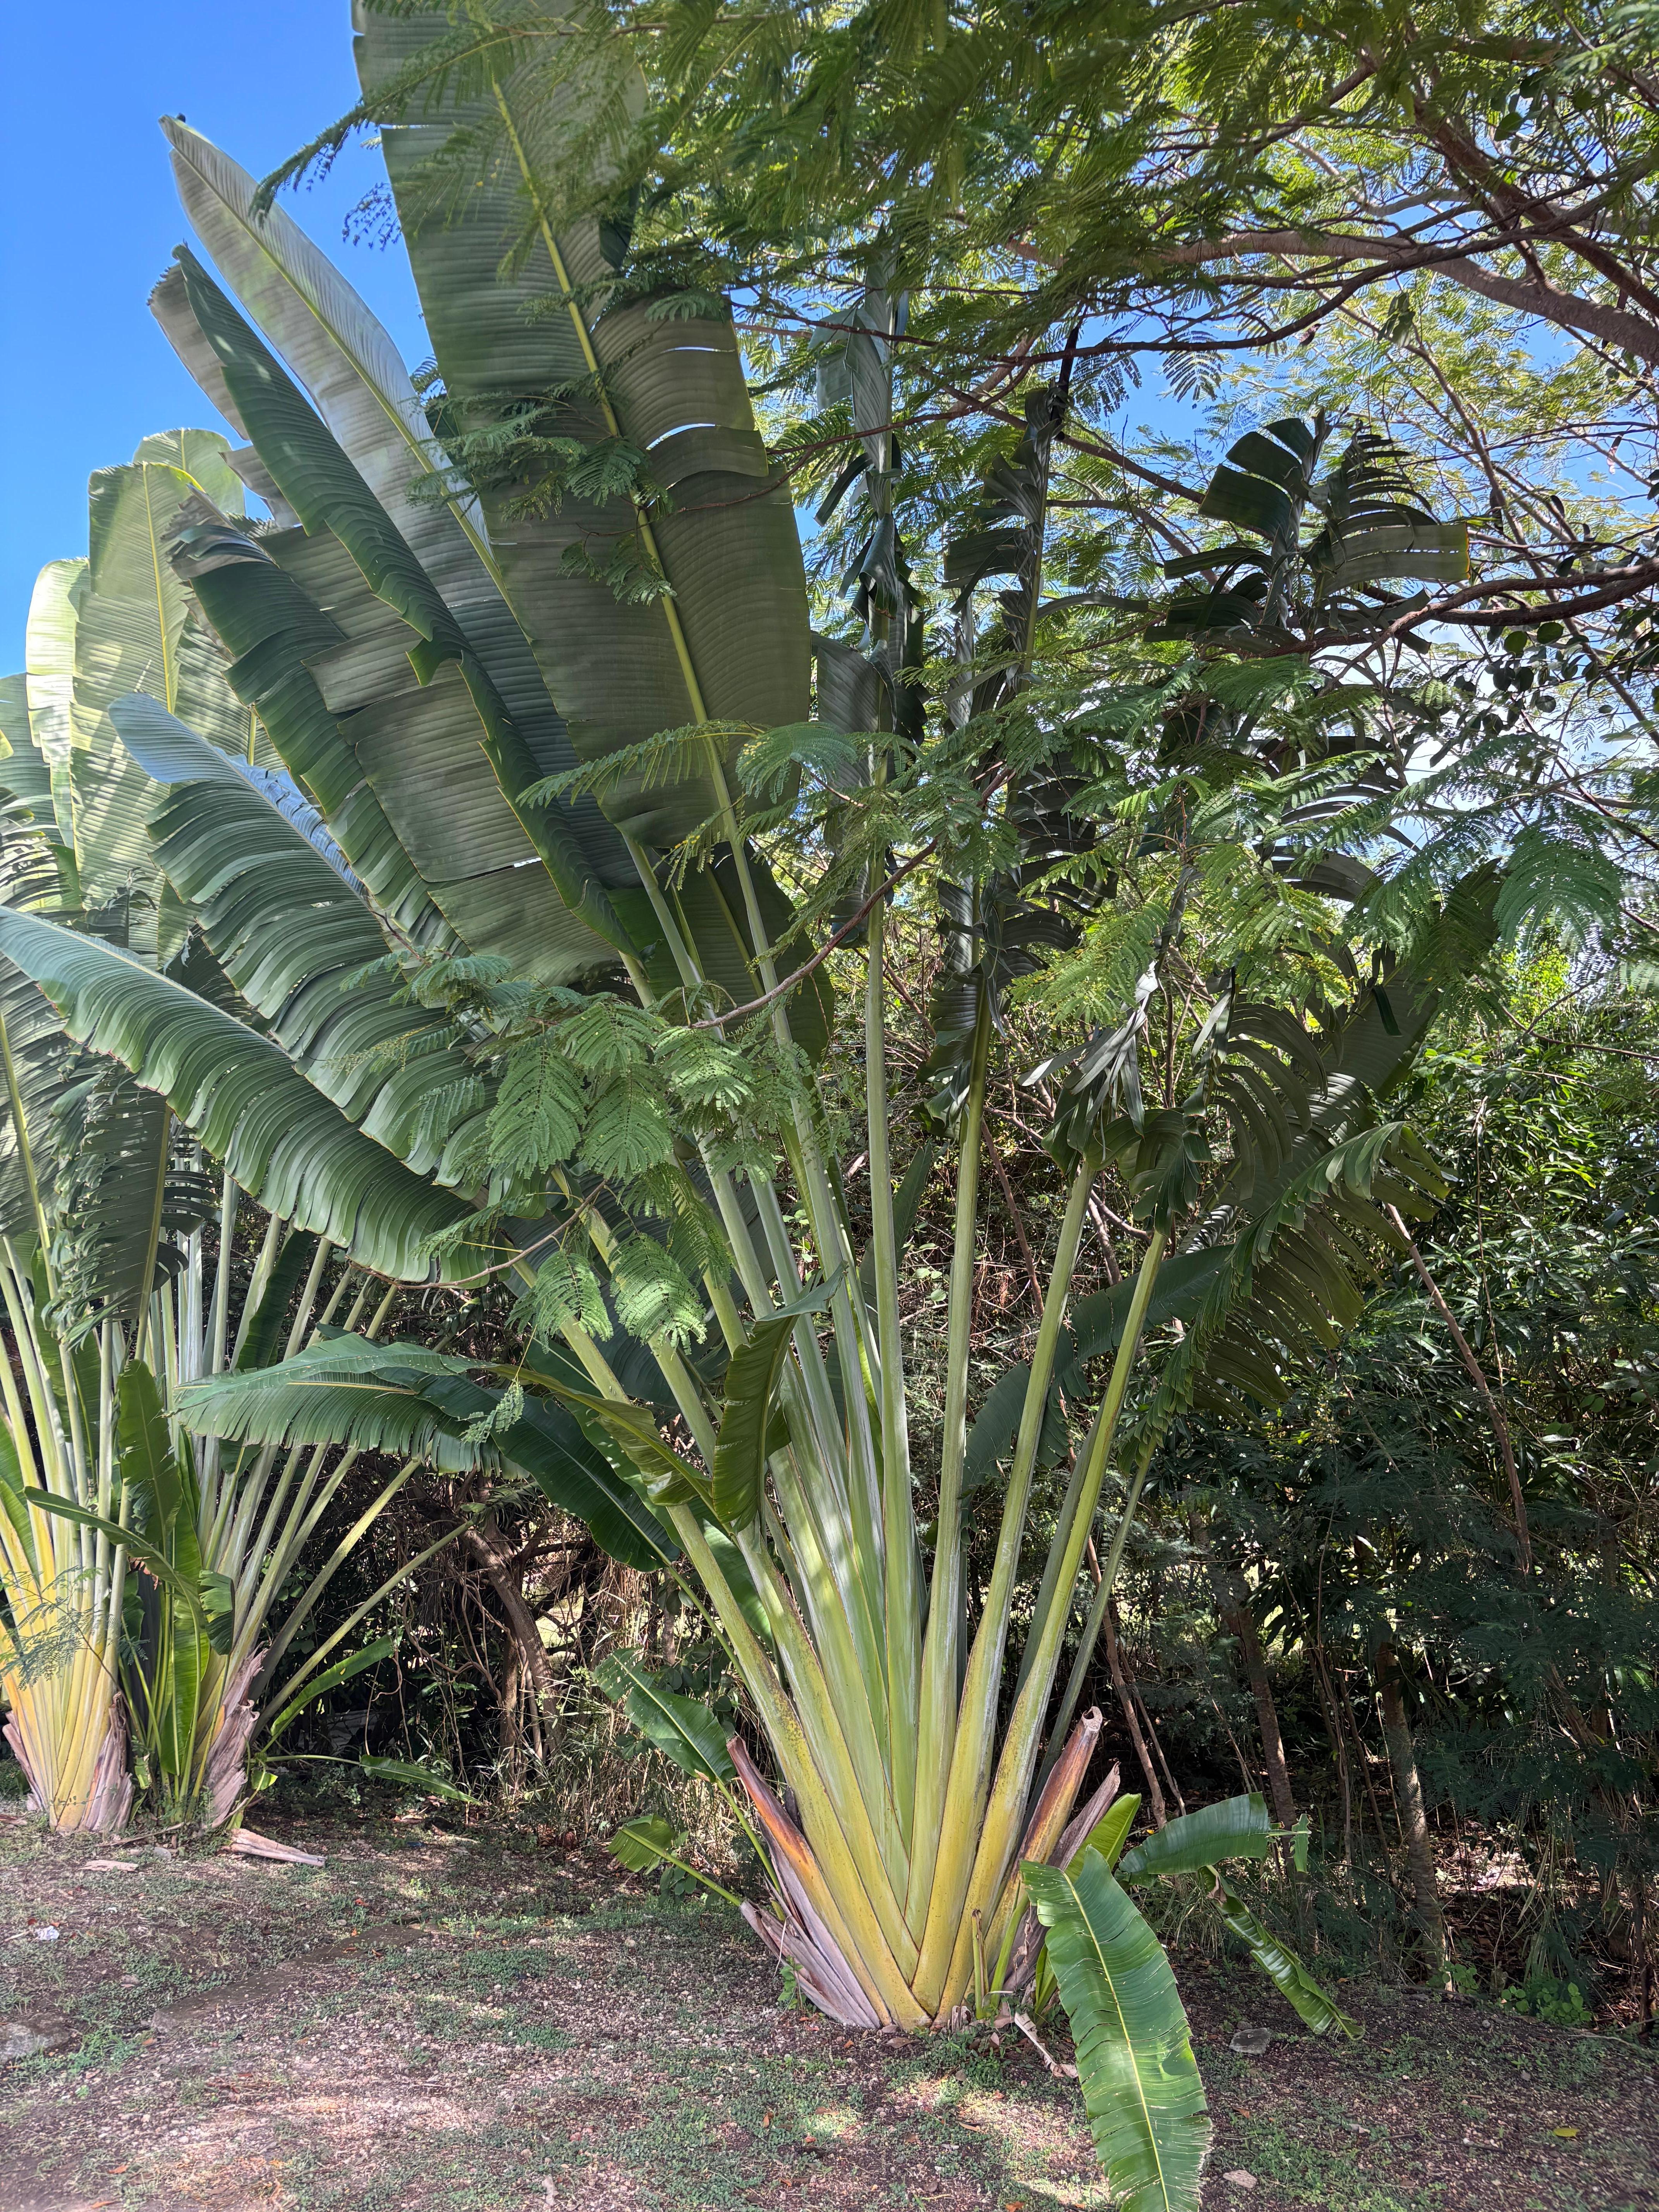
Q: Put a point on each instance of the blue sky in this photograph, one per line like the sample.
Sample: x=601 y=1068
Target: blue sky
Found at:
x=92 y=219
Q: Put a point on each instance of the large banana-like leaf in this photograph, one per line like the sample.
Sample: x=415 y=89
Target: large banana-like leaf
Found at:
x=39 y=1062
x=338 y=349
x=347 y=361
x=290 y=1148
x=1095 y=1331
x=163 y=1492
x=1283 y=1969
x=274 y=630
x=681 y=1729
x=137 y=631
x=1377 y=527
x=25 y=773
x=203 y=456
x=1235 y=1828
x=1134 y=2053
x=345 y=1390
x=170 y=305
x=1307 y=1287
x=119 y=1204
x=548 y=1444
x=54 y=614
x=731 y=645
x=408 y=1400
x=84 y=1150
x=427 y=723
x=291 y=932
x=1111 y=1831
x=751 y=1380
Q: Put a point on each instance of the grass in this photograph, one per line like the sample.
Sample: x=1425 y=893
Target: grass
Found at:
x=512 y=2029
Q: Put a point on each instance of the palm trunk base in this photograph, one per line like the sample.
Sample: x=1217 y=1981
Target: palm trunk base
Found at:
x=107 y=1804
x=815 y=1959
x=797 y=1929
x=224 y=1775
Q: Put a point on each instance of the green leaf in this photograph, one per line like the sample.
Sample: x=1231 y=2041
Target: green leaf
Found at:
x=267 y=1327
x=1140 y=2083
x=1217 y=556
x=728 y=644
x=641 y=1844
x=153 y=1556
x=1235 y=1828
x=14 y=1498
x=138 y=631
x=679 y=1728
x=344 y=356
x=751 y=1378
x=628 y=1129
x=25 y=772
x=537 y=1115
x=341 y=1671
x=634 y=1429
x=413 y=1778
x=548 y=1444
x=1559 y=881
x=1283 y=1969
x=1250 y=502
x=151 y=1474
x=219 y=1604
x=1427 y=552
x=1112 y=1828
x=996 y=1423
x=1097 y=1325
x=276 y=632
x=727 y=540
x=292 y=929
x=1183 y=1282
x=53 y=618
x=450 y=761
x=654 y=1296
x=116 y=1198
x=288 y=1147
x=44 y=1063
x=348 y=1391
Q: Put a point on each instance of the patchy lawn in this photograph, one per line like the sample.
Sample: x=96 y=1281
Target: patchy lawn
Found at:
x=456 y=2021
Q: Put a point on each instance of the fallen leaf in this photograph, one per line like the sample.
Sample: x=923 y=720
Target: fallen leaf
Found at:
x=1568 y=2132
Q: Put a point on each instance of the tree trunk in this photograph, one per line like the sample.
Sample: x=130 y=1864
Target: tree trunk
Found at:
x=1408 y=1793
x=1154 y=1790
x=1338 y=1737
x=508 y=1731
x=483 y=1540
x=1240 y=1624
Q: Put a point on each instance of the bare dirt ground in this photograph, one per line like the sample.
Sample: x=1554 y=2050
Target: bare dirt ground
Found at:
x=445 y=2022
